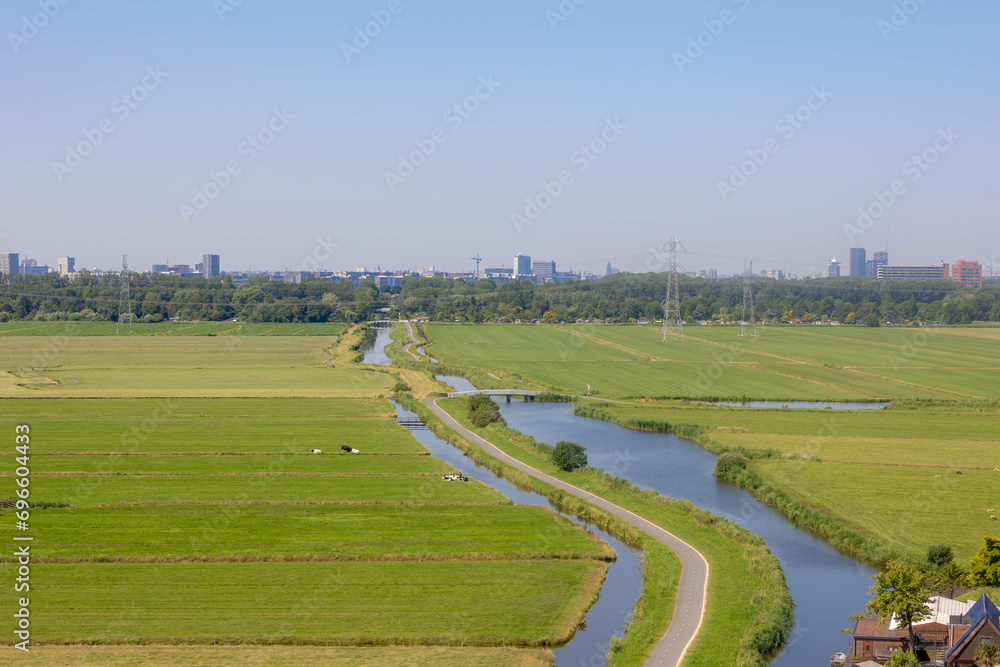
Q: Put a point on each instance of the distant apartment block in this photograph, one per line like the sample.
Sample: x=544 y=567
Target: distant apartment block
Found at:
x=544 y=271
x=210 y=266
x=859 y=265
x=969 y=274
x=67 y=265
x=773 y=274
x=896 y=272
x=9 y=263
x=522 y=266
x=833 y=268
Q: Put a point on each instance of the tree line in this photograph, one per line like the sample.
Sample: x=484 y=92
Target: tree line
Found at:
x=620 y=298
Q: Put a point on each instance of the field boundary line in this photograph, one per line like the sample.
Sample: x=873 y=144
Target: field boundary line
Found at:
x=694 y=575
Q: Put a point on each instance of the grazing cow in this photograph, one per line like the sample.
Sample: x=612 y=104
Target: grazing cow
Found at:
x=315 y=451
x=958 y=472
x=345 y=448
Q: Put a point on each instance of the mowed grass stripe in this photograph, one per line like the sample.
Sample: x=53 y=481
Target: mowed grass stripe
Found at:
x=448 y=602
x=284 y=656
x=138 y=490
x=332 y=463
x=321 y=533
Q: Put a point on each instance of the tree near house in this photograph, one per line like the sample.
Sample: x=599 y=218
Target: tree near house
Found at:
x=900 y=590
x=987 y=655
x=903 y=659
x=939 y=554
x=948 y=578
x=984 y=567
x=569 y=456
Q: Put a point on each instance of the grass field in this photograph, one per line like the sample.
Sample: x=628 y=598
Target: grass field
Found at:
x=443 y=602
x=782 y=363
x=194 y=512
x=168 y=329
x=290 y=531
x=283 y=656
x=178 y=366
x=887 y=473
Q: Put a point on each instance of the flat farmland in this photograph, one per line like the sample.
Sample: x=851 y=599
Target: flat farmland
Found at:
x=169 y=329
x=284 y=656
x=443 y=602
x=279 y=532
x=190 y=511
x=177 y=366
x=781 y=363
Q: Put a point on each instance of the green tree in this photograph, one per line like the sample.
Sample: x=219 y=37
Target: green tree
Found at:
x=939 y=554
x=950 y=577
x=987 y=655
x=569 y=456
x=872 y=320
x=985 y=565
x=903 y=659
x=900 y=590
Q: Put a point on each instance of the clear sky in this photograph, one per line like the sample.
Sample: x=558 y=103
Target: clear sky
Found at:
x=310 y=129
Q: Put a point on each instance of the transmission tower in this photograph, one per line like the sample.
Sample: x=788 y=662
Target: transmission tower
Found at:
x=748 y=303
x=125 y=300
x=672 y=322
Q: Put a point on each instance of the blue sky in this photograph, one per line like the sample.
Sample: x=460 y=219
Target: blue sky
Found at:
x=889 y=94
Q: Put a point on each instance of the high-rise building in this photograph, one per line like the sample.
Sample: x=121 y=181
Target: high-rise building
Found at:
x=9 y=263
x=522 y=266
x=859 y=268
x=210 y=266
x=881 y=256
x=890 y=272
x=608 y=271
x=833 y=268
x=67 y=265
x=969 y=274
x=543 y=271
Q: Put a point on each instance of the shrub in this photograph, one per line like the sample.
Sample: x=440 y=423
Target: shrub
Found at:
x=939 y=555
x=569 y=456
x=728 y=462
x=484 y=416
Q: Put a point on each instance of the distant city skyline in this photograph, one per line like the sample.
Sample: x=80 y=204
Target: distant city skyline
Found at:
x=796 y=133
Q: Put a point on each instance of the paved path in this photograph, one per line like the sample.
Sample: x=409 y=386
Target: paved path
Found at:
x=413 y=341
x=690 y=609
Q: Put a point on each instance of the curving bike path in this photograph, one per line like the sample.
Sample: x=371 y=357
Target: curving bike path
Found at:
x=413 y=341
x=689 y=611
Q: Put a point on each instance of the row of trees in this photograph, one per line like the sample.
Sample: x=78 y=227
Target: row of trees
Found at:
x=623 y=297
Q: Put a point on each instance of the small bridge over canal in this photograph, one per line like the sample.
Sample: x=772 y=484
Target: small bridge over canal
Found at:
x=526 y=394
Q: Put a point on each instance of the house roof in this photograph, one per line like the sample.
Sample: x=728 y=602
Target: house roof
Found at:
x=942 y=609
x=872 y=628
x=982 y=611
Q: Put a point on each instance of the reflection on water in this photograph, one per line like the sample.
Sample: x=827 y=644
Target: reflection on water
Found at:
x=375 y=352
x=621 y=588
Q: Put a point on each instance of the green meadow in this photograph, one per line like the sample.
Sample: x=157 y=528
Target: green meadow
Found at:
x=781 y=363
x=180 y=504
x=890 y=474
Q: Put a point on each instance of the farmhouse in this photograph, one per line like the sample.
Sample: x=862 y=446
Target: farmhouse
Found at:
x=948 y=636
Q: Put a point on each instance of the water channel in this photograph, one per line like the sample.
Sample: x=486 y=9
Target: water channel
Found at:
x=826 y=586
x=621 y=589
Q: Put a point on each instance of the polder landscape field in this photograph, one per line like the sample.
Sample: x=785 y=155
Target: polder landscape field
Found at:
x=875 y=483
x=179 y=518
